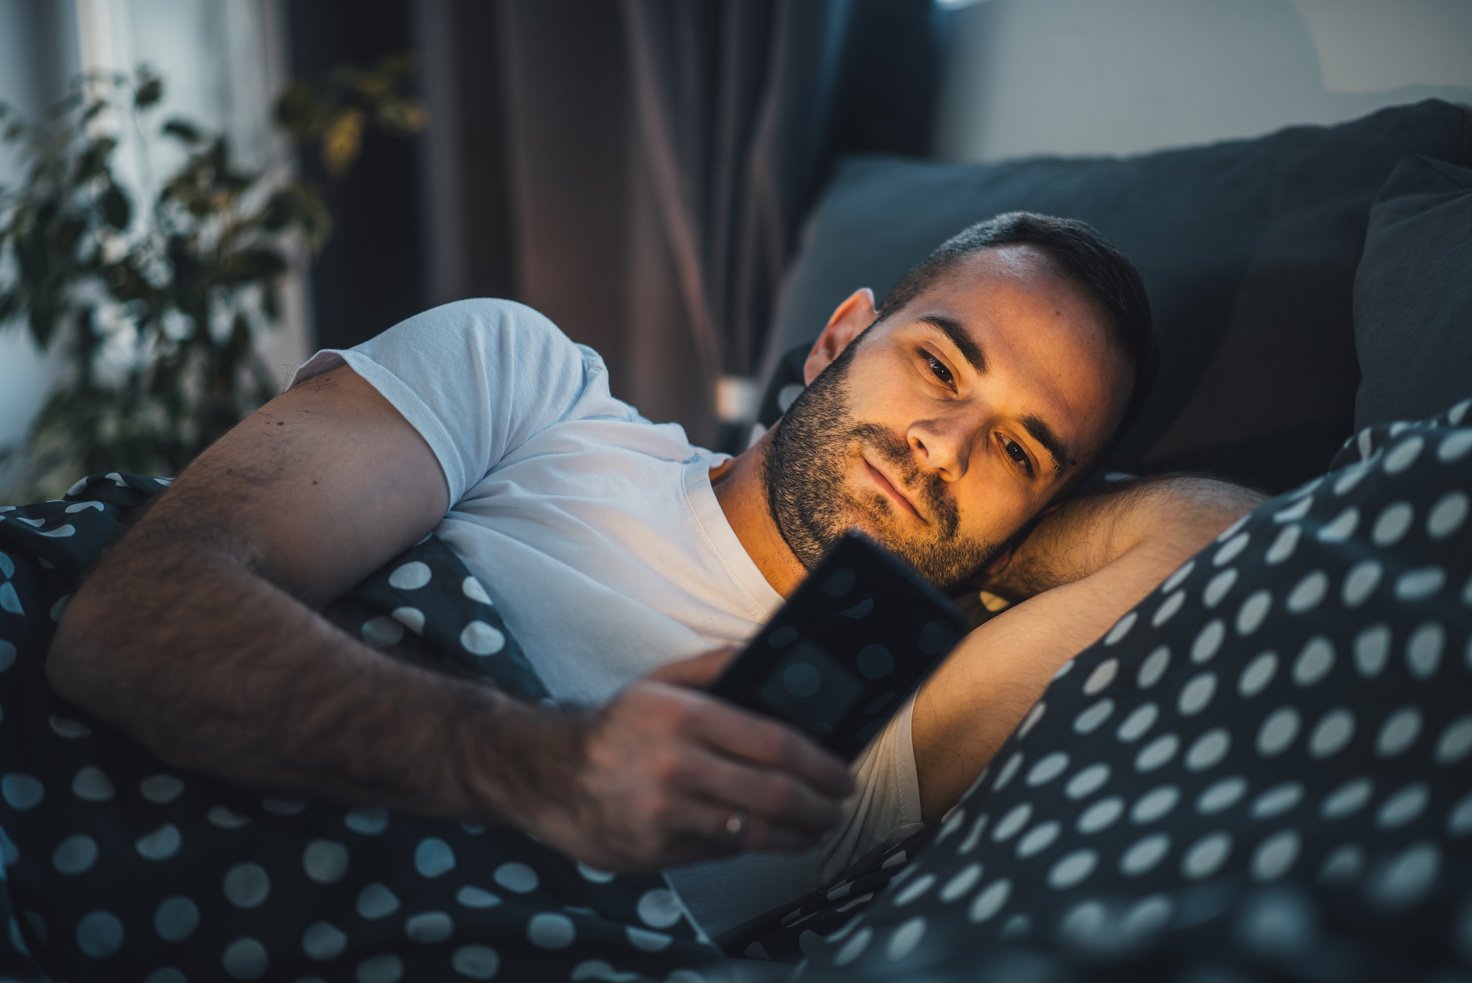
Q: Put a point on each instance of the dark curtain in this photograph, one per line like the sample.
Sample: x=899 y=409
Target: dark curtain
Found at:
x=657 y=157
x=638 y=169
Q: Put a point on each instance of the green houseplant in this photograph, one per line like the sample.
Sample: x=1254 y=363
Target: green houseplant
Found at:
x=156 y=295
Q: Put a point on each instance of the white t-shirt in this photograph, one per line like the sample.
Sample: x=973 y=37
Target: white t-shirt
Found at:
x=599 y=537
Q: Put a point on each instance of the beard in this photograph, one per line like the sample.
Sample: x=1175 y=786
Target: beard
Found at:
x=804 y=472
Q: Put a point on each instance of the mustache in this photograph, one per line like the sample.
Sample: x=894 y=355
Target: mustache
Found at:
x=929 y=488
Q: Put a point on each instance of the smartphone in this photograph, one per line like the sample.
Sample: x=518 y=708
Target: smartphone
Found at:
x=842 y=654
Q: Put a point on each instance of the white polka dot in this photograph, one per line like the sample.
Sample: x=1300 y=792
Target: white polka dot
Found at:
x=1275 y=855
x=433 y=857
x=1175 y=579
x=1072 y=869
x=1231 y=550
x=1088 y=781
x=478 y=962
x=1277 y=732
x=1283 y=546
x=1121 y=628
x=410 y=618
x=1258 y=674
x=1153 y=667
x=963 y=881
x=1459 y=818
x=99 y=934
x=1168 y=608
x=548 y=930
x=75 y=855
x=1206 y=856
x=1208 y=750
x=1049 y=768
x=226 y=819
x=1455 y=447
x=1155 y=804
x=1008 y=771
x=1090 y=720
x=1347 y=799
x=247 y=885
x=1038 y=839
x=325 y=861
x=1343 y=866
x=1209 y=641
x=914 y=889
x=1456 y=741
x=1331 y=734
x=1031 y=720
x=380 y=969
x=92 y=785
x=323 y=941
x=1133 y=727
x=1250 y=616
x=974 y=837
x=1157 y=753
x=1423 y=651
x=410 y=576
x=1294 y=512
x=1308 y=592
x=1403 y=455
x=369 y=822
x=1012 y=822
x=382 y=631
x=472 y=589
x=1101 y=677
x=479 y=638
x=161 y=789
x=1394 y=520
x=1350 y=477
x=646 y=941
x=477 y=898
x=176 y=918
x=1404 y=879
x=1458 y=413
x=1405 y=806
x=905 y=939
x=1277 y=800
x=1316 y=659
x=1342 y=527
x=1218 y=586
x=159 y=845
x=1101 y=815
x=594 y=875
x=1144 y=854
x=1399 y=732
x=1361 y=581
x=246 y=959
x=21 y=792
x=1196 y=694
x=1420 y=583
x=854 y=947
x=1447 y=515
x=1371 y=650
x=521 y=879
x=658 y=907
x=377 y=901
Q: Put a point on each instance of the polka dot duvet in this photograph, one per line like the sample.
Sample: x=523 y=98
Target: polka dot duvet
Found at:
x=117 y=868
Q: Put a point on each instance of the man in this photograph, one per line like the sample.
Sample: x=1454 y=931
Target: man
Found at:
x=997 y=374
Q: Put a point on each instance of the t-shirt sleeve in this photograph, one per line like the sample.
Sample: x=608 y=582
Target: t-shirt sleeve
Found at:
x=475 y=378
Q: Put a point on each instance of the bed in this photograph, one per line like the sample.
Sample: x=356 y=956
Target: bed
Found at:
x=1264 y=770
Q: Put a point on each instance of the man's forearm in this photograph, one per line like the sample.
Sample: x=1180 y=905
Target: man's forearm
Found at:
x=216 y=669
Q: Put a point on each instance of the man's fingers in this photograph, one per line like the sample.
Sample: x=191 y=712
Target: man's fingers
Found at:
x=697 y=671
x=744 y=735
x=765 y=797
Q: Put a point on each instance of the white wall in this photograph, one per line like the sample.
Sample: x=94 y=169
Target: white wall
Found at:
x=1123 y=76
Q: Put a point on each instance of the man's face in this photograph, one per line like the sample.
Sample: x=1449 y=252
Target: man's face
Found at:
x=950 y=423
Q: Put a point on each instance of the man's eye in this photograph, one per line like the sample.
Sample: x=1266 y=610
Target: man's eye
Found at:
x=938 y=368
x=1017 y=454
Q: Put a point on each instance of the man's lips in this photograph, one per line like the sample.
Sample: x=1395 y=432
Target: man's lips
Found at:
x=893 y=491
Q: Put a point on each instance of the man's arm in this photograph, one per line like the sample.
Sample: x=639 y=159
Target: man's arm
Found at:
x=199 y=635
x=1079 y=571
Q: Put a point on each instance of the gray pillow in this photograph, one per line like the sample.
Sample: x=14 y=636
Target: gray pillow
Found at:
x=1413 y=294
x=1248 y=249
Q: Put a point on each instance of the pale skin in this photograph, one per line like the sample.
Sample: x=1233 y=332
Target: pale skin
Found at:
x=224 y=665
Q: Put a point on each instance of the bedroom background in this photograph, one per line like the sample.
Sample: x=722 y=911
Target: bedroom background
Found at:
x=640 y=170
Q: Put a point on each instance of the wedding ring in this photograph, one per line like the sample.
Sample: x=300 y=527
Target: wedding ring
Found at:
x=736 y=826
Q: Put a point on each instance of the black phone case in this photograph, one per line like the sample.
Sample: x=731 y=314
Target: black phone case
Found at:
x=845 y=650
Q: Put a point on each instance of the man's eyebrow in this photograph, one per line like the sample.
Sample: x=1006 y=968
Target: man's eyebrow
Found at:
x=964 y=343
x=1044 y=435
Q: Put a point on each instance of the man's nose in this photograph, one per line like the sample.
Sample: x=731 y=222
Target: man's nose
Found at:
x=944 y=447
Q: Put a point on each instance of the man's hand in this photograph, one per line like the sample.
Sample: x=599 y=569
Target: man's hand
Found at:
x=662 y=768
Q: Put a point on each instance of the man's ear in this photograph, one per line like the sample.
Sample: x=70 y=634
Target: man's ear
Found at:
x=847 y=323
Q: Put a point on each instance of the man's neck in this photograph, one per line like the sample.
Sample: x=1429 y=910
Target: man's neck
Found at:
x=742 y=494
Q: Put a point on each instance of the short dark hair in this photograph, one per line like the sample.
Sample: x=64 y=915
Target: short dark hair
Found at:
x=1081 y=256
